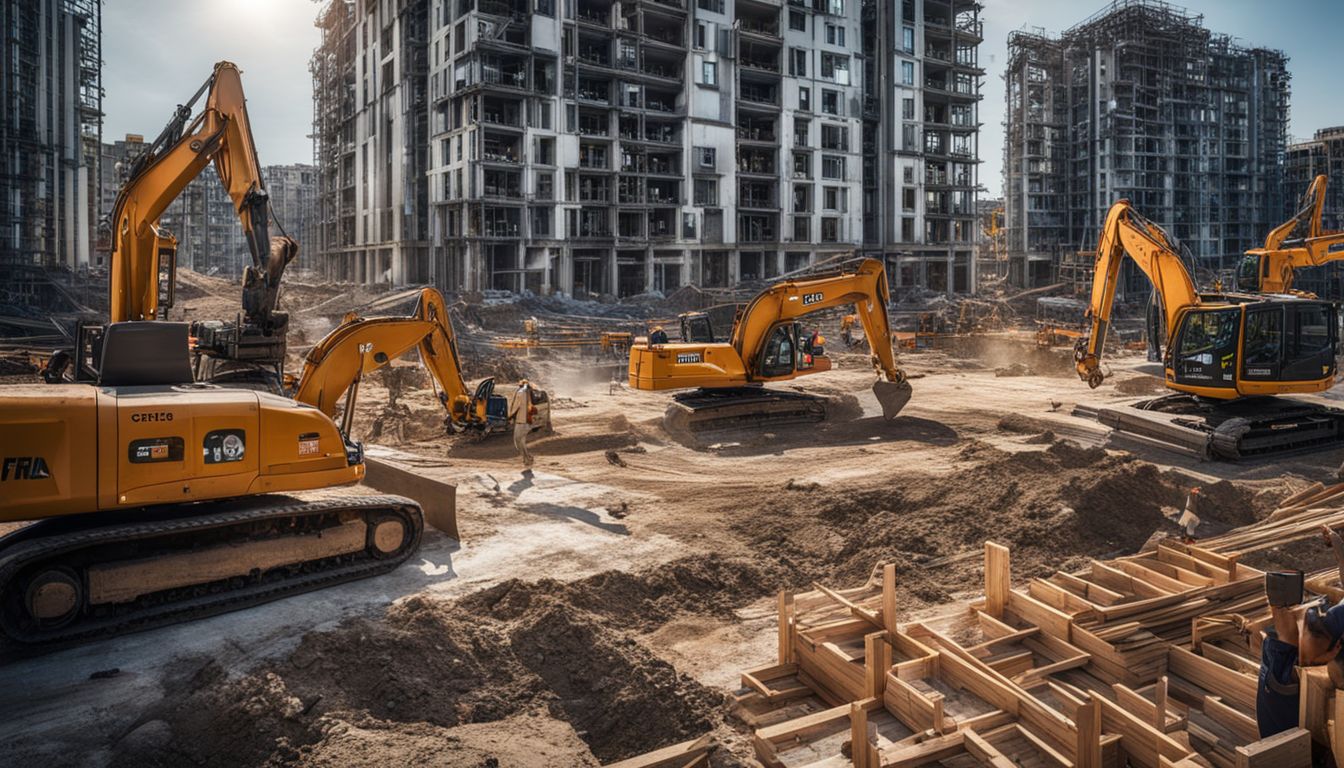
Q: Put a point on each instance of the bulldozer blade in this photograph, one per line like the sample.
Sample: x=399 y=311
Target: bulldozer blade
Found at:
x=892 y=396
x=437 y=499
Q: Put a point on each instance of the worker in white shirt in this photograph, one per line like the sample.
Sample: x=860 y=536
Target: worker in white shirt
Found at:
x=521 y=413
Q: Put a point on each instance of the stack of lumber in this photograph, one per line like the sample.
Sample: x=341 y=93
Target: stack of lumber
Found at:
x=1148 y=660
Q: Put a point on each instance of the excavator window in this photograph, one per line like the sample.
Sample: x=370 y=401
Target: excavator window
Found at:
x=1248 y=273
x=779 y=351
x=1311 y=342
x=1263 y=350
x=1206 y=349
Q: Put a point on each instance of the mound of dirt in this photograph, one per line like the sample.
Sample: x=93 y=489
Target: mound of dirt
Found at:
x=1139 y=385
x=1065 y=501
x=521 y=663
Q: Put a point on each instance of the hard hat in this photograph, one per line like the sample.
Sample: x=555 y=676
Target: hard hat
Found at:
x=522 y=382
x=821 y=339
x=657 y=327
x=1195 y=489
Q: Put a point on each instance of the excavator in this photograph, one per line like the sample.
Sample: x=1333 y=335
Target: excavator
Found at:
x=1298 y=243
x=358 y=346
x=769 y=344
x=1229 y=357
x=153 y=494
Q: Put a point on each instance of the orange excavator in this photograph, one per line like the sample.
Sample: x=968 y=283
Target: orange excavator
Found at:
x=153 y=494
x=1298 y=243
x=769 y=344
x=1229 y=358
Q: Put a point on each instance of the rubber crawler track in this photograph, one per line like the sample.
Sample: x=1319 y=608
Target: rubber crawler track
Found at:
x=30 y=546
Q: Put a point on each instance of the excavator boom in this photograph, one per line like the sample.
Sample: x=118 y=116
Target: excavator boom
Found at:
x=1298 y=243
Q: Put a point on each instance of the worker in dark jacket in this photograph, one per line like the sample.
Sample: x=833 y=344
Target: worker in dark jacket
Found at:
x=1300 y=636
x=659 y=336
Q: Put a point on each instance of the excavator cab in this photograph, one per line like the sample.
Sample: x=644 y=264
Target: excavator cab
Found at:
x=788 y=349
x=1249 y=272
x=696 y=328
x=1253 y=348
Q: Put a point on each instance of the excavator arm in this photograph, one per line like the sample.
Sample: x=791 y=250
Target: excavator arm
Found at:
x=1295 y=244
x=142 y=250
x=359 y=346
x=1128 y=233
x=864 y=287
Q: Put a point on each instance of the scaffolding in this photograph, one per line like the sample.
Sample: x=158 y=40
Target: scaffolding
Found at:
x=1140 y=101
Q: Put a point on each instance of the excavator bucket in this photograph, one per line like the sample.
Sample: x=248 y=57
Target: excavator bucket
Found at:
x=893 y=396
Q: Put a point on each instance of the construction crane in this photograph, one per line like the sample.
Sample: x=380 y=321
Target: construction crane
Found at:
x=1295 y=244
x=768 y=344
x=154 y=497
x=359 y=346
x=1227 y=354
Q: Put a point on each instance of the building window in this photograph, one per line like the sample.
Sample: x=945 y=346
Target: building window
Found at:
x=833 y=167
x=707 y=157
x=909 y=174
x=802 y=229
x=545 y=186
x=909 y=138
x=709 y=73
x=700 y=36
x=908 y=39
x=797 y=21
x=830 y=230
x=805 y=99
x=802 y=165
x=541 y=222
x=908 y=199
x=798 y=66
x=908 y=109
x=802 y=198
x=835 y=35
x=546 y=7
x=836 y=199
x=830 y=102
x=835 y=67
x=706 y=193
x=688 y=226
x=907 y=230
x=546 y=151
x=907 y=73
x=836 y=7
x=835 y=137
x=801 y=129
x=710 y=5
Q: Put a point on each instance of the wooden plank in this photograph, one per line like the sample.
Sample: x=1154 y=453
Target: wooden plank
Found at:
x=1054 y=595
x=1313 y=704
x=917 y=710
x=1094 y=593
x=926 y=752
x=1143 y=743
x=1033 y=611
x=985 y=752
x=677 y=755
x=889 y=597
x=1282 y=750
x=998 y=579
x=876 y=661
x=1087 y=750
x=859 y=746
x=859 y=612
x=1236 y=688
x=1011 y=637
x=1239 y=723
x=786 y=628
x=1139 y=570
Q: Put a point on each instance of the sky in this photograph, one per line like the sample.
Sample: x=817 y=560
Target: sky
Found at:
x=157 y=53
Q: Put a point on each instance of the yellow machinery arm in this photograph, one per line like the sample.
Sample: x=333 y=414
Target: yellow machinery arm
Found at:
x=1128 y=233
x=142 y=251
x=359 y=346
x=1295 y=244
x=865 y=288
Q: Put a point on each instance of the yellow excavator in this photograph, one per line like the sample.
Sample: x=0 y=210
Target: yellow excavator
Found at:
x=155 y=496
x=769 y=344
x=1298 y=243
x=1228 y=355
x=359 y=346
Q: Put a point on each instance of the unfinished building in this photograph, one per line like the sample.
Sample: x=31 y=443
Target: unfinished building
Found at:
x=921 y=140
x=1304 y=161
x=613 y=148
x=1140 y=101
x=369 y=132
x=50 y=137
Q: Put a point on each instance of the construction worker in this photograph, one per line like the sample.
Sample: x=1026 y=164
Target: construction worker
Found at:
x=847 y=329
x=659 y=336
x=1299 y=636
x=1189 y=519
x=521 y=413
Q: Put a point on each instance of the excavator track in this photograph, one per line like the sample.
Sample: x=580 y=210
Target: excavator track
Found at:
x=86 y=577
x=714 y=410
x=1248 y=428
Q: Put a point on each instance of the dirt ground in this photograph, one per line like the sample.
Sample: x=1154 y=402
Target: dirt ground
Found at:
x=604 y=604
